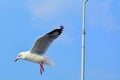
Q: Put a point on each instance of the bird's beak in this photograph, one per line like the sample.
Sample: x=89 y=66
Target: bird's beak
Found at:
x=16 y=59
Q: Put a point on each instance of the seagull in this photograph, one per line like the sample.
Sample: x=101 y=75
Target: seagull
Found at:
x=36 y=54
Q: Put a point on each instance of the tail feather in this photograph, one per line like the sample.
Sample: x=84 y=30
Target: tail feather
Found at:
x=49 y=62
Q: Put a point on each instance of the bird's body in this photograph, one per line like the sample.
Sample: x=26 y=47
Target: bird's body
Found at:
x=36 y=58
x=41 y=45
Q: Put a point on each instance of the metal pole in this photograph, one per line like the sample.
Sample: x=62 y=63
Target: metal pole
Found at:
x=83 y=42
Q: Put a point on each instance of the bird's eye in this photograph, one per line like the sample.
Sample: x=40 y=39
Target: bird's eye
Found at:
x=20 y=55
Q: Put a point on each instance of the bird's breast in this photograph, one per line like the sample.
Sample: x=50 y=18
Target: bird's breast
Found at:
x=35 y=58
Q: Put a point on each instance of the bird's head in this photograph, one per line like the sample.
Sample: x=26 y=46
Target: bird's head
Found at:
x=21 y=55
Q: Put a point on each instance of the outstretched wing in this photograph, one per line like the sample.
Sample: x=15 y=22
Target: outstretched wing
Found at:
x=42 y=43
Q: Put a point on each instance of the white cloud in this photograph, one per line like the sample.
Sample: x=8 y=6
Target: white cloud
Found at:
x=44 y=11
x=49 y=13
x=52 y=9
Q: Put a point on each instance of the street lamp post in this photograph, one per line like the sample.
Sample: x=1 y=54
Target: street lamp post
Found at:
x=83 y=41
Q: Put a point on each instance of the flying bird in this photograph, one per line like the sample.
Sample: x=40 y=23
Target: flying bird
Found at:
x=36 y=54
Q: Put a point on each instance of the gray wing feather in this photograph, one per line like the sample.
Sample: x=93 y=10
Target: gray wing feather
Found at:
x=42 y=43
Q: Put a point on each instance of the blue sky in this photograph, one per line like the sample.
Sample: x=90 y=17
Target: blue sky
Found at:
x=22 y=21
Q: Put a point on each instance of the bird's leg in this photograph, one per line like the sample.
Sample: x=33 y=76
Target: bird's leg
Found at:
x=41 y=68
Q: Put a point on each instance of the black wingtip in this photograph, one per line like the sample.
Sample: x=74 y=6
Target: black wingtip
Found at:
x=61 y=27
x=59 y=30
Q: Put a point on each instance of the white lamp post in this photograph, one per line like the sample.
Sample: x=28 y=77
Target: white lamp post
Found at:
x=83 y=41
